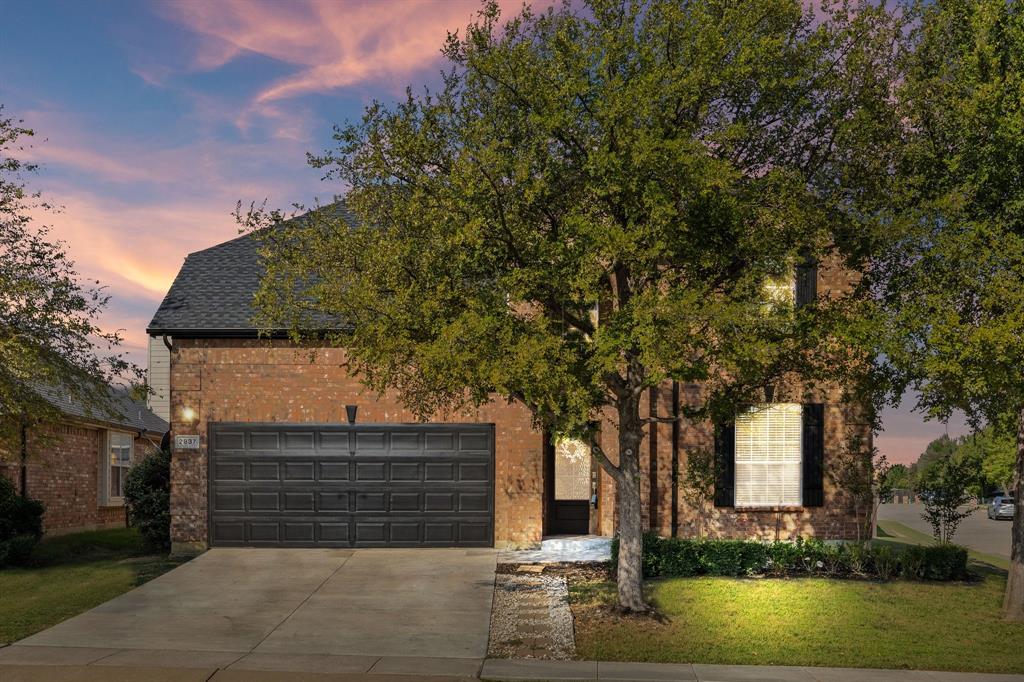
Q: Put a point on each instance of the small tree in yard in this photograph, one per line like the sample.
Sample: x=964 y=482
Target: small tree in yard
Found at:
x=863 y=475
x=698 y=484
x=593 y=203
x=944 y=490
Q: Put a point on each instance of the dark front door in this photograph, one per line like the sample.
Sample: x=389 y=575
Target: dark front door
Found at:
x=337 y=485
x=569 y=503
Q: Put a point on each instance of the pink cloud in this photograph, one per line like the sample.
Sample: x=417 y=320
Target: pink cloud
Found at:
x=333 y=44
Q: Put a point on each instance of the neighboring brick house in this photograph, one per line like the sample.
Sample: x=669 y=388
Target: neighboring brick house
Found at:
x=77 y=467
x=292 y=451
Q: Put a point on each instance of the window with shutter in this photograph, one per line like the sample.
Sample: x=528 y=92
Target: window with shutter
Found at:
x=768 y=455
x=781 y=289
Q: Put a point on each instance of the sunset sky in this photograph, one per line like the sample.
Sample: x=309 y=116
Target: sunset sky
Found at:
x=154 y=118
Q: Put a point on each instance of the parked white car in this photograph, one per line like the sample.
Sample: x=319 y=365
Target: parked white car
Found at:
x=1001 y=507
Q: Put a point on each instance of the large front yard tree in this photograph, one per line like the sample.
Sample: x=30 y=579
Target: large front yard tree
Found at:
x=955 y=281
x=593 y=203
x=50 y=338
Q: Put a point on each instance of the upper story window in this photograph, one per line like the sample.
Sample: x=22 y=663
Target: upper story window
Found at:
x=118 y=461
x=769 y=455
x=781 y=289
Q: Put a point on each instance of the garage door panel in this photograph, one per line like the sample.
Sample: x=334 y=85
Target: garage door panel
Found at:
x=334 y=471
x=370 y=471
x=298 y=440
x=264 y=440
x=340 y=486
x=299 y=471
x=264 y=471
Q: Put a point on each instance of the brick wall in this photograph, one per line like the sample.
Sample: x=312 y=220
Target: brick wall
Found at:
x=834 y=520
x=273 y=381
x=64 y=474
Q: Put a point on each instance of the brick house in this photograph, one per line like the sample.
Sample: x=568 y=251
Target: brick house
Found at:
x=292 y=451
x=77 y=467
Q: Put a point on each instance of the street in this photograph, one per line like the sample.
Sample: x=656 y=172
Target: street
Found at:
x=976 y=532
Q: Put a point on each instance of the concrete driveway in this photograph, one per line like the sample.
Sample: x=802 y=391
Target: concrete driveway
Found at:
x=267 y=602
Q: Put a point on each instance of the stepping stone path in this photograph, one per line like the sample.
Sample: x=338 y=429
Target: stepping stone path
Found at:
x=530 y=617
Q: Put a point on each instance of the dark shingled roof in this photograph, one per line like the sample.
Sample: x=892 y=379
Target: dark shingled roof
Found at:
x=127 y=412
x=213 y=293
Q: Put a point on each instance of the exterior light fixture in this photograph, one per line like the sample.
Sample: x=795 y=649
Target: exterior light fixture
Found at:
x=188 y=415
x=350 y=410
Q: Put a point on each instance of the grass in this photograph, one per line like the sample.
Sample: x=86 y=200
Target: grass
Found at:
x=807 y=621
x=70 y=574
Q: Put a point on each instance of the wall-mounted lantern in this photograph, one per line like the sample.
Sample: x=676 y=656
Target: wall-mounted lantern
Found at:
x=350 y=410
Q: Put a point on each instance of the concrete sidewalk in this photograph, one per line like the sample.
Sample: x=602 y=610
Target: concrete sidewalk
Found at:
x=81 y=664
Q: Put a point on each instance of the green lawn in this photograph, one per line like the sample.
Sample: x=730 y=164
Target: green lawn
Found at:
x=807 y=621
x=71 y=574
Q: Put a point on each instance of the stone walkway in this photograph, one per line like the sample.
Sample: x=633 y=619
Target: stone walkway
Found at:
x=562 y=549
x=530 y=617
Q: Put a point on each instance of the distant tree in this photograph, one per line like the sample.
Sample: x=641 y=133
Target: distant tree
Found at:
x=954 y=283
x=49 y=332
x=898 y=477
x=654 y=161
x=944 y=490
x=936 y=451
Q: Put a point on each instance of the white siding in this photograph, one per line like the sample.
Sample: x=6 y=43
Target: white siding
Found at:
x=159 y=378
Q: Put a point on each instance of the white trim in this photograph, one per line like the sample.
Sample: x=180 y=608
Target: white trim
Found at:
x=105 y=465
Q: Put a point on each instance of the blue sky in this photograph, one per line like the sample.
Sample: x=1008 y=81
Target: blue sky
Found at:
x=155 y=118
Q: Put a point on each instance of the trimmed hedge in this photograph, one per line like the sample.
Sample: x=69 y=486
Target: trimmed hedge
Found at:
x=21 y=524
x=678 y=557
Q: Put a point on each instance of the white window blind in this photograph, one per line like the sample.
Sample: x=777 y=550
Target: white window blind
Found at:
x=768 y=455
x=781 y=290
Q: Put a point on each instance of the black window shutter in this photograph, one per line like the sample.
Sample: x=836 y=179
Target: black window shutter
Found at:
x=725 y=465
x=806 y=281
x=813 y=455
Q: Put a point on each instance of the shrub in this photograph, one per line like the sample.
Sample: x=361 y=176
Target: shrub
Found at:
x=21 y=524
x=147 y=492
x=679 y=557
x=943 y=562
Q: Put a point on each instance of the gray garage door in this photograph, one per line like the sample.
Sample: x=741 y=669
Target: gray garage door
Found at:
x=300 y=485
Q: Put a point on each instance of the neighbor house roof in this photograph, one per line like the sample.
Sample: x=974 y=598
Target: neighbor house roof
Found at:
x=212 y=295
x=123 y=410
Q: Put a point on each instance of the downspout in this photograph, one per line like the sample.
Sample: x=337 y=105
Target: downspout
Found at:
x=653 y=465
x=24 y=460
x=675 y=458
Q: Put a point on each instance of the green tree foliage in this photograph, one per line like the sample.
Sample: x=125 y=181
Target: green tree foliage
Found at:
x=994 y=454
x=49 y=334
x=593 y=203
x=955 y=276
x=21 y=524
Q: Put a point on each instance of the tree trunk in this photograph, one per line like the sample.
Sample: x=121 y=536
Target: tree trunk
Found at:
x=1013 y=603
x=630 y=579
